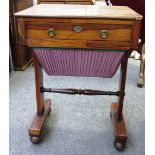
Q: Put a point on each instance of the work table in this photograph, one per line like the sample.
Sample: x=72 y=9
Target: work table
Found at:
x=79 y=40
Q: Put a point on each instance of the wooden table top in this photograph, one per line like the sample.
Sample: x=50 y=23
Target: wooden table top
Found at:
x=80 y=11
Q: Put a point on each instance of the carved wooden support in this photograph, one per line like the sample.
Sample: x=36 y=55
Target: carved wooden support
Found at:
x=122 y=85
x=120 y=132
x=43 y=106
x=38 y=122
x=39 y=83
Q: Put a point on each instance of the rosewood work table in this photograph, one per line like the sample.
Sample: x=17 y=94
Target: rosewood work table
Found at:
x=79 y=40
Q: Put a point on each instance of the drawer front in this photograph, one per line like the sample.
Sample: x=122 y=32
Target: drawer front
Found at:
x=82 y=2
x=65 y=31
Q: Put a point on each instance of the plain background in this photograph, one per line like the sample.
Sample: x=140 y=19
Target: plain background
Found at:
x=149 y=84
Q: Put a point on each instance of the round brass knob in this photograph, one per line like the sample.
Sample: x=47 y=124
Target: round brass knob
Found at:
x=103 y=34
x=51 y=32
x=77 y=29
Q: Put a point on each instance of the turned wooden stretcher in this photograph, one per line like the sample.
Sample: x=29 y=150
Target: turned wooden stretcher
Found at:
x=84 y=40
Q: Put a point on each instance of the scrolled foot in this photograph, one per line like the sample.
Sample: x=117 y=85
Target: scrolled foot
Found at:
x=140 y=83
x=35 y=139
x=119 y=145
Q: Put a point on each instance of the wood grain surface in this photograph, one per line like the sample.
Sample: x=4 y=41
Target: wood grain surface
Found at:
x=88 y=32
x=80 y=11
x=82 y=2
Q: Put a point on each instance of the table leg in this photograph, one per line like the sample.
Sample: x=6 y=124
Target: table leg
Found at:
x=116 y=112
x=140 y=82
x=43 y=106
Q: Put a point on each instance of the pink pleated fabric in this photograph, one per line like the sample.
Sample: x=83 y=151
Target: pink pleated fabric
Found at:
x=79 y=62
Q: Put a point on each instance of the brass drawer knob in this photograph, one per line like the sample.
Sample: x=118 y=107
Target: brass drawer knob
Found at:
x=51 y=32
x=104 y=34
x=77 y=29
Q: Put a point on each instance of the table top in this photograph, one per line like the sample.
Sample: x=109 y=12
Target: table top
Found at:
x=80 y=11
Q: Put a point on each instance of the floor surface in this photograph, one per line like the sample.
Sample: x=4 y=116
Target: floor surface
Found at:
x=77 y=125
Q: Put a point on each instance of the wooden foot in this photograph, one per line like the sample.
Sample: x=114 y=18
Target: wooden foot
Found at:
x=38 y=122
x=119 y=129
x=119 y=145
x=140 y=83
x=35 y=139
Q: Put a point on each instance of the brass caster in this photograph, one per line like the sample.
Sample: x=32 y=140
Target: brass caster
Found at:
x=140 y=83
x=119 y=145
x=35 y=139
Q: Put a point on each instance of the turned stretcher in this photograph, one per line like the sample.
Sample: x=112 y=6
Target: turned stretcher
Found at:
x=71 y=40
